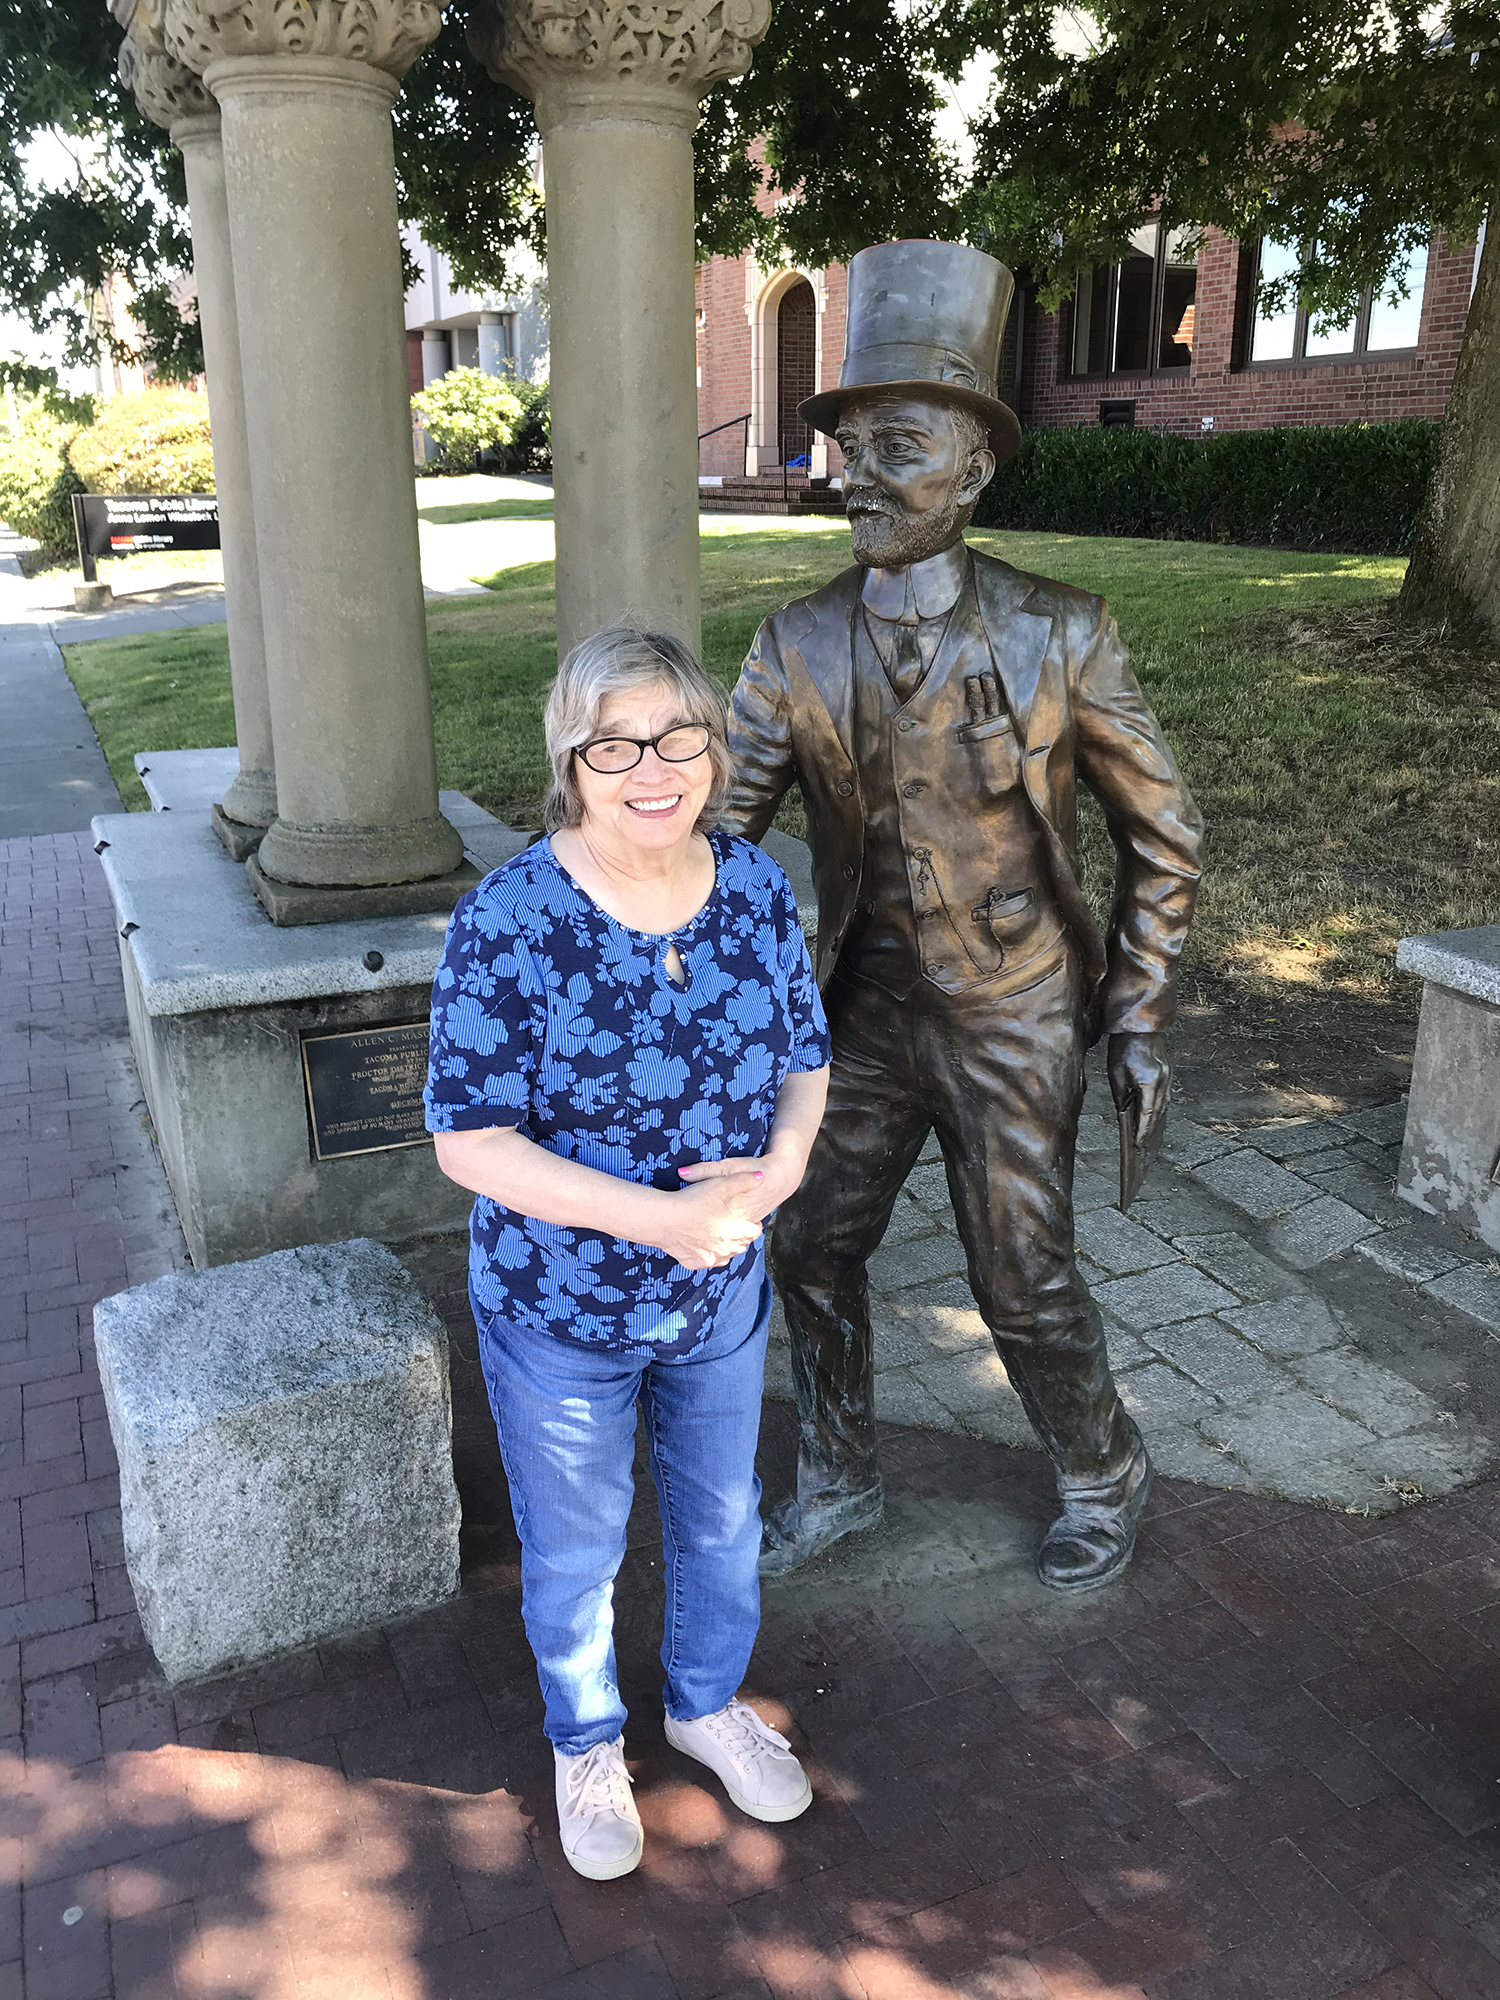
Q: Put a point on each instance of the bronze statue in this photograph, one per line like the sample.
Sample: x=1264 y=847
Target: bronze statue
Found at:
x=936 y=708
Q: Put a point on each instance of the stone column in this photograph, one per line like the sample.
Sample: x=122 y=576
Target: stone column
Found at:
x=173 y=96
x=434 y=355
x=616 y=91
x=493 y=358
x=305 y=95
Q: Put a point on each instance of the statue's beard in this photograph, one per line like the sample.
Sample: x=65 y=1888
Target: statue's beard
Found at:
x=885 y=536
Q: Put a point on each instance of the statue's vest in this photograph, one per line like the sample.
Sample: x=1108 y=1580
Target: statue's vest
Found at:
x=958 y=899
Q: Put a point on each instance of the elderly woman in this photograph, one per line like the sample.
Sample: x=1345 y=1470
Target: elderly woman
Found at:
x=629 y=1063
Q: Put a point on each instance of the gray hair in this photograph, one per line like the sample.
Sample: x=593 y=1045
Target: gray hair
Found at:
x=970 y=429
x=621 y=658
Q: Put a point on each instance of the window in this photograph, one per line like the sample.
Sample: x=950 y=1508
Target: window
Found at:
x=1136 y=316
x=1381 y=325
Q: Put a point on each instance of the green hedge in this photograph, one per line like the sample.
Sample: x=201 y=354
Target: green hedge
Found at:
x=1305 y=486
x=37 y=483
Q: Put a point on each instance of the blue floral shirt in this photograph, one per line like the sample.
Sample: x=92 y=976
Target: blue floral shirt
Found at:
x=549 y=1015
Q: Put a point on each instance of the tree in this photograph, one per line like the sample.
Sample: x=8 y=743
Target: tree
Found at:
x=1347 y=126
x=465 y=149
x=123 y=208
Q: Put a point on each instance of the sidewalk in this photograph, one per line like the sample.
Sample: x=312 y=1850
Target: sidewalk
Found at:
x=1262 y=1766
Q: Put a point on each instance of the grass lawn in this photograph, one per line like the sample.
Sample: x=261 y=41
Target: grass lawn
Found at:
x=1349 y=767
x=487 y=510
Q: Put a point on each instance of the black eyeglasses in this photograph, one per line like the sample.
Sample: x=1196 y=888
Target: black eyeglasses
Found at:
x=610 y=755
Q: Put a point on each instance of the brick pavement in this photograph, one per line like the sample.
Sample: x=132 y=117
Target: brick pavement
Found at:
x=1264 y=1766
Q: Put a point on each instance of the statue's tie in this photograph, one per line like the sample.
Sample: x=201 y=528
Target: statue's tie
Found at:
x=907 y=677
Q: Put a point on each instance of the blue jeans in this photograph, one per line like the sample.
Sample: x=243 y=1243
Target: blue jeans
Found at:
x=565 y=1414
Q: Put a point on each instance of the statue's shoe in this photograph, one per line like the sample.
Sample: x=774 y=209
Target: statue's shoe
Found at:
x=1093 y=1538
x=792 y=1534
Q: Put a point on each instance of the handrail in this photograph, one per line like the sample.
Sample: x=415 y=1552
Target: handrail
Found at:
x=724 y=426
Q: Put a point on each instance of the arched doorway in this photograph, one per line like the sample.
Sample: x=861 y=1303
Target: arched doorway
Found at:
x=796 y=336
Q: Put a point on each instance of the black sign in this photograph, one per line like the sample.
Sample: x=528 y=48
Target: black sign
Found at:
x=125 y=524
x=364 y=1089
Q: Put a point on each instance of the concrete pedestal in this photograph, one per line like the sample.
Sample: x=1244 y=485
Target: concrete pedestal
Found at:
x=284 y=1438
x=617 y=103
x=219 y=1002
x=1450 y=1158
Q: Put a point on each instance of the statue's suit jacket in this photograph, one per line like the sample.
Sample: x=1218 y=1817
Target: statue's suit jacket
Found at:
x=1077 y=712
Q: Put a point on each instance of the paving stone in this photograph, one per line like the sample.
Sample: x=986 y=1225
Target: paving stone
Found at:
x=1185 y=1144
x=929 y=1186
x=1126 y=1349
x=1369 y=1189
x=1158 y=1395
x=1219 y=1360
x=1438 y=1461
x=1405 y=1254
x=1180 y=1452
x=907 y=1222
x=1385 y=1124
x=1287 y=1327
x=1295 y=1141
x=1238 y=1264
x=896 y=1267
x=900 y=1398
x=967 y=1381
x=1322 y=1229
x=1474 y=1289
x=1118 y=1245
x=1003 y=1421
x=1095 y=1190
x=1156 y=1298
x=1098 y=1136
x=942 y=1318
x=1255 y=1184
x=1292 y=1431
x=1385 y=1402
x=1181 y=1207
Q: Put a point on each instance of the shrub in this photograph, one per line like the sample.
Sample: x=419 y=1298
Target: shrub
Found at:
x=37 y=482
x=530 y=450
x=466 y=412
x=156 y=441
x=1309 y=486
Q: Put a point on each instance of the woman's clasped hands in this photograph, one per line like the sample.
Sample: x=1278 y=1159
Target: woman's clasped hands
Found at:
x=722 y=1206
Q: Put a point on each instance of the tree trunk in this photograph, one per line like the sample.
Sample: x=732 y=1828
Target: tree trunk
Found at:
x=1454 y=573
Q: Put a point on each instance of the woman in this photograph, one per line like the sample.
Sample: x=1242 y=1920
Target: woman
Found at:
x=629 y=1064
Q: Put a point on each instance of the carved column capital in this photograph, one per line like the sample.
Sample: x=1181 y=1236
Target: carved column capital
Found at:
x=388 y=35
x=667 y=48
x=165 y=90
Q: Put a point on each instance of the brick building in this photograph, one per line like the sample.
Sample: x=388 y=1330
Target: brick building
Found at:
x=1173 y=337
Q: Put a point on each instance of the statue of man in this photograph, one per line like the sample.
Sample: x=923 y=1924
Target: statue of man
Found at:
x=936 y=708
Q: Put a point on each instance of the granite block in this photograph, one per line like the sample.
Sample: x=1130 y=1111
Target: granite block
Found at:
x=1156 y=1298
x=1255 y=1184
x=1319 y=1230
x=1118 y=1245
x=1238 y=1264
x=283 y=1430
x=1288 y=1327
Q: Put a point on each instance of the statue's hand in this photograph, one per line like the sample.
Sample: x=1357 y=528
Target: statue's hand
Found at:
x=1138 y=1068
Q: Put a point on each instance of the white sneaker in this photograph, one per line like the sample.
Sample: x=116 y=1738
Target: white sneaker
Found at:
x=596 y=1816
x=755 y=1765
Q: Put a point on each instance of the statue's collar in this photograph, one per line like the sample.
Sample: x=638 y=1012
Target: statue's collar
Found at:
x=927 y=589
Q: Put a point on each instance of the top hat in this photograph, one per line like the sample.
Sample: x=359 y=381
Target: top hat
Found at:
x=924 y=319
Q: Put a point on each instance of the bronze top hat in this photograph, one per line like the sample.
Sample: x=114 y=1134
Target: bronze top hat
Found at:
x=923 y=318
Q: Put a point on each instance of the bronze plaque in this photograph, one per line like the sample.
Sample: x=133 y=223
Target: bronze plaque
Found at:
x=364 y=1089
